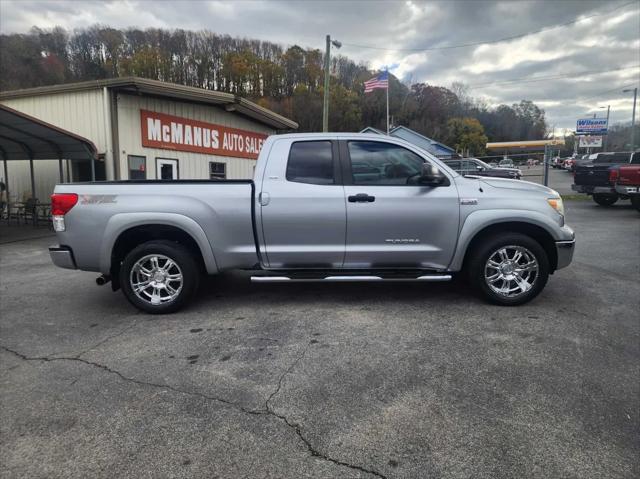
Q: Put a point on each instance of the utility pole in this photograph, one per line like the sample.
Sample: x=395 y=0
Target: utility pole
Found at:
x=327 y=64
x=633 y=117
x=606 y=137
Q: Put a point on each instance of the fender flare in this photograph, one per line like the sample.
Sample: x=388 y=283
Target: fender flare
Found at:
x=479 y=220
x=121 y=222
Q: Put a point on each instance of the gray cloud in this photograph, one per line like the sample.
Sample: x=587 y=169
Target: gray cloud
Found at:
x=603 y=43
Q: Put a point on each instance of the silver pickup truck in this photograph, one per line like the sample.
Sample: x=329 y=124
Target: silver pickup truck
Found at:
x=322 y=207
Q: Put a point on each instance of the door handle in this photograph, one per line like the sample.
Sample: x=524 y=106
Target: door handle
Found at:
x=361 y=198
x=264 y=198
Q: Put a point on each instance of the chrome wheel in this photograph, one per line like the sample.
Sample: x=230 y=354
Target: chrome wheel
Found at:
x=156 y=279
x=511 y=271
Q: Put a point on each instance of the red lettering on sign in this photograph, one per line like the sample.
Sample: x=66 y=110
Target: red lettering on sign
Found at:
x=182 y=134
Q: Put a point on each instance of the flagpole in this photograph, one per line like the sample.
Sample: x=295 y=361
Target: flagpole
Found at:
x=388 y=101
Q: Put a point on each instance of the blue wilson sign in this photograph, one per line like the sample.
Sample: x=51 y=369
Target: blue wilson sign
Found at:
x=595 y=126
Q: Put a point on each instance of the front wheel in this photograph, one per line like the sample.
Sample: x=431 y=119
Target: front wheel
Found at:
x=509 y=269
x=159 y=277
x=604 y=199
x=635 y=201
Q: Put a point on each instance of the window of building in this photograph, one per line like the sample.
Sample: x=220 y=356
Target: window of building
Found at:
x=217 y=171
x=378 y=163
x=137 y=167
x=311 y=162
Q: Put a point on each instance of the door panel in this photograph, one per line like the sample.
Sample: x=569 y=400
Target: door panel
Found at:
x=404 y=225
x=303 y=222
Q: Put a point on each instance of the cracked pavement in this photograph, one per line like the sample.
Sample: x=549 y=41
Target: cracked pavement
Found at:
x=326 y=380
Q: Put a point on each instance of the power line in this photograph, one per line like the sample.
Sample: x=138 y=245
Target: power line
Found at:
x=554 y=77
x=490 y=42
x=606 y=91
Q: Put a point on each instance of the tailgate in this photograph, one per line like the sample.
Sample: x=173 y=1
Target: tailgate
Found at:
x=629 y=175
x=592 y=175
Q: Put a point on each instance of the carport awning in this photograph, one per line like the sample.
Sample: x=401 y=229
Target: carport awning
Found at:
x=23 y=137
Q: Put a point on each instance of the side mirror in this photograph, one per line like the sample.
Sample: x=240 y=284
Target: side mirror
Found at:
x=431 y=175
x=479 y=168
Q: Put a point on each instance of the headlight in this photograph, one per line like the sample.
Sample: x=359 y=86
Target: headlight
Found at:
x=556 y=204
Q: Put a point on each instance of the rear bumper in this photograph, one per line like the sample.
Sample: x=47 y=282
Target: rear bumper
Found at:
x=588 y=189
x=565 y=251
x=62 y=257
x=627 y=190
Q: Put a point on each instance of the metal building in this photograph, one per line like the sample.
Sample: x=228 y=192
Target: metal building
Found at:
x=145 y=129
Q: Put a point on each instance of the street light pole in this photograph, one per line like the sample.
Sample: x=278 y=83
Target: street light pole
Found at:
x=325 y=103
x=327 y=63
x=633 y=117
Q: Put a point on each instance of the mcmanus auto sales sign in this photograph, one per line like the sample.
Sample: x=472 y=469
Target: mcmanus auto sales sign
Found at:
x=182 y=134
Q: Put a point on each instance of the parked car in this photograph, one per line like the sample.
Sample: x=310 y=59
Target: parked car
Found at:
x=506 y=163
x=568 y=164
x=473 y=166
x=556 y=162
x=626 y=180
x=593 y=176
x=322 y=207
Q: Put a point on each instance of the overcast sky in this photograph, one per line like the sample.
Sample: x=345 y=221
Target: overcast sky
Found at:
x=601 y=51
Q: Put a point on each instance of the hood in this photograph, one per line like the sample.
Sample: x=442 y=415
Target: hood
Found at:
x=516 y=185
x=504 y=168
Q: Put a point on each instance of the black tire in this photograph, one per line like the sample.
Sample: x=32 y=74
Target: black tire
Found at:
x=187 y=266
x=605 y=199
x=491 y=245
x=635 y=202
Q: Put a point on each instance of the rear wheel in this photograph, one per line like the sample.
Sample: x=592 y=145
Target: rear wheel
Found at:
x=159 y=277
x=509 y=269
x=604 y=199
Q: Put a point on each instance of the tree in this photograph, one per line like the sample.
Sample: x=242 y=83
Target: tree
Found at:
x=288 y=81
x=466 y=135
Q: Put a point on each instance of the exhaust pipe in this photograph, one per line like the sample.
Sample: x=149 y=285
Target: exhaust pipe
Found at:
x=102 y=280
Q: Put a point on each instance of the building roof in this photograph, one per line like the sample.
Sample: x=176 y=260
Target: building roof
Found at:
x=432 y=146
x=371 y=129
x=23 y=137
x=174 y=91
x=407 y=134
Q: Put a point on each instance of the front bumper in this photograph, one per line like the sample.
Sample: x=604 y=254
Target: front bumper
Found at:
x=62 y=257
x=564 y=250
x=627 y=190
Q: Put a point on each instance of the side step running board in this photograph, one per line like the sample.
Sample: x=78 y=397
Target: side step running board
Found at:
x=348 y=279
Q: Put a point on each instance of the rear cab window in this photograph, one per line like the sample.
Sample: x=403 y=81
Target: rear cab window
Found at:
x=311 y=162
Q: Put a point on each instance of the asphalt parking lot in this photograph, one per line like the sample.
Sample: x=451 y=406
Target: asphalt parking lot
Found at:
x=326 y=380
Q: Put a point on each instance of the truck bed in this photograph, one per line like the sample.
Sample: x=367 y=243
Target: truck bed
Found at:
x=218 y=213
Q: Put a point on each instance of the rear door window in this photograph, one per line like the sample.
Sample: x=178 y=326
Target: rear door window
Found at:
x=311 y=162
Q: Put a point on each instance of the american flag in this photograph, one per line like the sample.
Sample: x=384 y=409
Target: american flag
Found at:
x=380 y=81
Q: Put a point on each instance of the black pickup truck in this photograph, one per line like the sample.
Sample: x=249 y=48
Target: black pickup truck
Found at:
x=596 y=178
x=475 y=167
